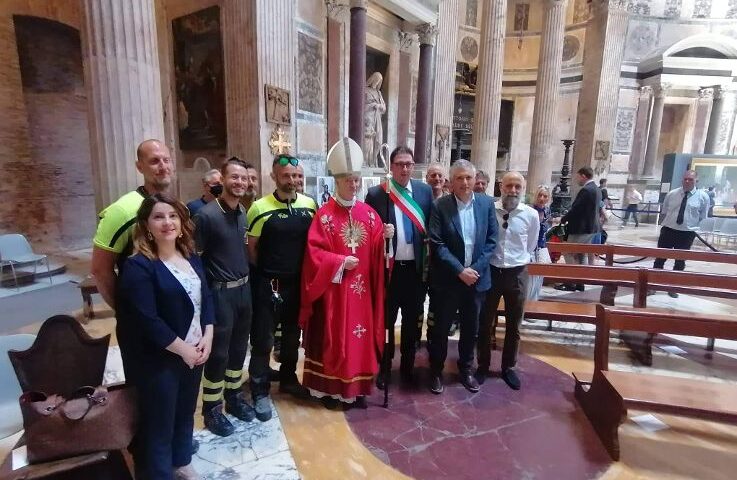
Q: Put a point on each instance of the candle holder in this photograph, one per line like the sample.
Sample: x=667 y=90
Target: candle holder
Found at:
x=561 y=192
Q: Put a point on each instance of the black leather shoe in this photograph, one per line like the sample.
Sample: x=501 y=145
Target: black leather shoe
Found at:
x=469 y=382
x=481 y=374
x=239 y=408
x=381 y=381
x=580 y=287
x=436 y=385
x=218 y=423
x=294 y=389
x=360 y=402
x=330 y=403
x=195 y=446
x=511 y=379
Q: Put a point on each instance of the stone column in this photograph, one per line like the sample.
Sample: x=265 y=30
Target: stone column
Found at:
x=719 y=133
x=121 y=63
x=357 y=87
x=335 y=13
x=701 y=120
x=602 y=63
x=445 y=68
x=489 y=87
x=427 y=33
x=639 y=141
x=653 y=134
x=540 y=167
x=404 y=98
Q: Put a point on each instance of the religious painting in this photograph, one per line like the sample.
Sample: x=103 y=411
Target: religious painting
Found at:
x=199 y=79
x=521 y=16
x=310 y=74
x=277 y=105
x=325 y=190
x=366 y=183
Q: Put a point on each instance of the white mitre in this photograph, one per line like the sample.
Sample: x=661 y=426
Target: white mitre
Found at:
x=345 y=158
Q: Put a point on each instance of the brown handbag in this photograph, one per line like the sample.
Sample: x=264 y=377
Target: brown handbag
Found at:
x=92 y=419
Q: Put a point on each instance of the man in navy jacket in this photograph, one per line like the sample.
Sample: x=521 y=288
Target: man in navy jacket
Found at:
x=463 y=234
x=408 y=209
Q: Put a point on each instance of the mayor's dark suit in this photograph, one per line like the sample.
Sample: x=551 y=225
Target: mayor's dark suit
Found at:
x=448 y=257
x=156 y=310
x=406 y=290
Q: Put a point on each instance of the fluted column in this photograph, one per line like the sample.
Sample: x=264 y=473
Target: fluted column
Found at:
x=335 y=14
x=357 y=86
x=719 y=135
x=121 y=64
x=653 y=134
x=445 y=67
x=597 y=104
x=701 y=120
x=427 y=33
x=404 y=98
x=540 y=168
x=639 y=141
x=489 y=87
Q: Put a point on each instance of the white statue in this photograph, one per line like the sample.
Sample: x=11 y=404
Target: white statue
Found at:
x=374 y=109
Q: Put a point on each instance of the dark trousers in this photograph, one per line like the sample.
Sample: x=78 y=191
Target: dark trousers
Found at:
x=467 y=301
x=406 y=291
x=510 y=284
x=224 y=368
x=631 y=210
x=678 y=239
x=167 y=397
x=266 y=316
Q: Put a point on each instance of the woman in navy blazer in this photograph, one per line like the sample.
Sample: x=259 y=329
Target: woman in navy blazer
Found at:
x=165 y=330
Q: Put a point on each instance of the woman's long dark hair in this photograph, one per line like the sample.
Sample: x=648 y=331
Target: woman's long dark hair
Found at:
x=147 y=246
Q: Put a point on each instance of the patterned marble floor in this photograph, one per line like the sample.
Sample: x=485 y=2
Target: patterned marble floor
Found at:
x=257 y=450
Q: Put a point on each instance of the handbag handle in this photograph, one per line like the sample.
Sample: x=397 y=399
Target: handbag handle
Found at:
x=94 y=397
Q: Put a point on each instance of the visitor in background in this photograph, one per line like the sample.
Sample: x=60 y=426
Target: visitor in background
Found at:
x=605 y=193
x=252 y=184
x=168 y=306
x=482 y=182
x=435 y=177
x=683 y=209
x=212 y=187
x=632 y=199
x=541 y=255
x=582 y=220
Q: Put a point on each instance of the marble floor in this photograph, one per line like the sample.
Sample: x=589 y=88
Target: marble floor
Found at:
x=304 y=440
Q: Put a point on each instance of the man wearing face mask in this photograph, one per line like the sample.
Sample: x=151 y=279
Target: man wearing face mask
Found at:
x=212 y=187
x=277 y=237
x=518 y=235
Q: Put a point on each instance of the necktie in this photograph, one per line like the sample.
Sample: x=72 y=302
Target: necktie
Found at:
x=682 y=210
x=408 y=230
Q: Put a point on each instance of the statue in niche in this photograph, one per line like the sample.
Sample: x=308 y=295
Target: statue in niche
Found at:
x=442 y=140
x=374 y=109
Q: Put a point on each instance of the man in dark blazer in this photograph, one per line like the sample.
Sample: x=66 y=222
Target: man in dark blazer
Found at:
x=463 y=234
x=407 y=207
x=582 y=219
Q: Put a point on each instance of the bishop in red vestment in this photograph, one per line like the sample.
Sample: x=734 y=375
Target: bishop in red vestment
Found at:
x=342 y=301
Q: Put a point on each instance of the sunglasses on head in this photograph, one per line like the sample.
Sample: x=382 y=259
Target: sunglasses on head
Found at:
x=285 y=160
x=506 y=223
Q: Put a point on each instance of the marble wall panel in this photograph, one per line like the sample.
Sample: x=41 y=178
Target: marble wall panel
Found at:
x=620 y=162
x=642 y=38
x=521 y=17
x=623 y=130
x=472 y=13
x=731 y=9
x=702 y=9
x=581 y=11
x=312 y=12
x=672 y=8
x=310 y=137
x=310 y=73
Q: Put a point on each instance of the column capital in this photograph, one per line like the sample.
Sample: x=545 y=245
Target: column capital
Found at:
x=406 y=40
x=661 y=90
x=616 y=4
x=646 y=91
x=706 y=93
x=720 y=91
x=336 y=9
x=428 y=33
x=359 y=4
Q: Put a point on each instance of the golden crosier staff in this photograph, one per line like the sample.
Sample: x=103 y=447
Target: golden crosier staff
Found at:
x=388 y=254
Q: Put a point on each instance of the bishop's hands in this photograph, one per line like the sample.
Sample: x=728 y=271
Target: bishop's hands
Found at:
x=469 y=276
x=350 y=262
x=388 y=231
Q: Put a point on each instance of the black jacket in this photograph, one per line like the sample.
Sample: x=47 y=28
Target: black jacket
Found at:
x=583 y=217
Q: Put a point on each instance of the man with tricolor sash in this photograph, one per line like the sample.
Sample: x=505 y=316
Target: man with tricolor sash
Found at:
x=404 y=203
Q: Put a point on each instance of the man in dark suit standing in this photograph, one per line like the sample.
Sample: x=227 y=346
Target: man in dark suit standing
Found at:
x=582 y=219
x=463 y=234
x=406 y=205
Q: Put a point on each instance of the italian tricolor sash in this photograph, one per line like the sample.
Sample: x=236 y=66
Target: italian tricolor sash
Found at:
x=402 y=198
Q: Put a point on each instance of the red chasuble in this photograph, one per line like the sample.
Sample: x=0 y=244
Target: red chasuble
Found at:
x=343 y=323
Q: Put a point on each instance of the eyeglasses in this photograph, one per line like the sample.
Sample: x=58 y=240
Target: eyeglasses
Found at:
x=285 y=160
x=506 y=223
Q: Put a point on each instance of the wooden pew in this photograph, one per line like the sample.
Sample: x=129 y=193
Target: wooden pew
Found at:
x=606 y=395
x=608 y=251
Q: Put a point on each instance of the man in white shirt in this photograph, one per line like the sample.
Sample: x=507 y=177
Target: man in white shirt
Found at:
x=683 y=209
x=518 y=235
x=632 y=200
